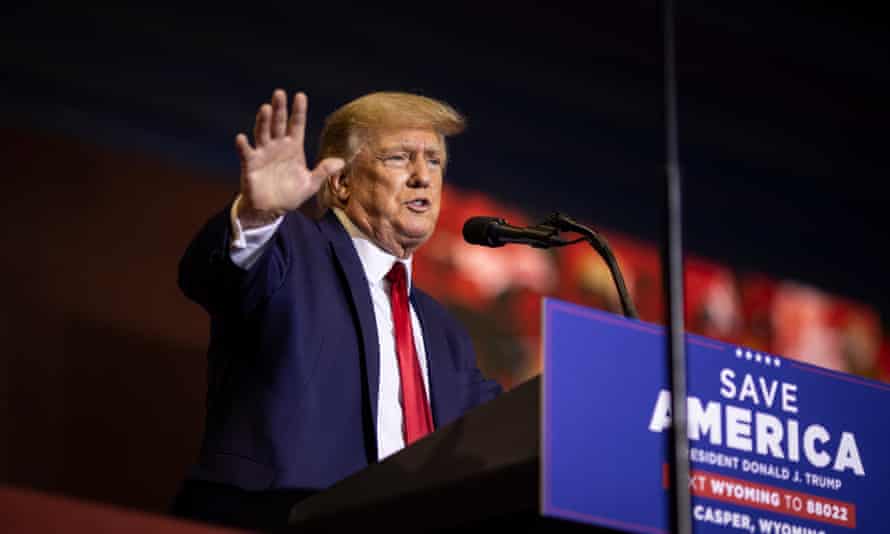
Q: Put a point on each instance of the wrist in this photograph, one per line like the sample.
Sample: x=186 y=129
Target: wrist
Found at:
x=250 y=217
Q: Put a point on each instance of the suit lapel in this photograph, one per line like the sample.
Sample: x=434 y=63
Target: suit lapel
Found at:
x=441 y=373
x=345 y=253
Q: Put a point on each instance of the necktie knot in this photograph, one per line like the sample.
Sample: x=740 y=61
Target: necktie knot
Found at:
x=396 y=276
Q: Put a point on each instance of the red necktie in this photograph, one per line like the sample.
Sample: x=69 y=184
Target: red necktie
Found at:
x=417 y=421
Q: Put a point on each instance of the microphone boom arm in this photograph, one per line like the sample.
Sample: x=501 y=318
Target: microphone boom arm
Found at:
x=563 y=222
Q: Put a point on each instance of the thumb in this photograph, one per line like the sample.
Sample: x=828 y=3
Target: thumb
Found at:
x=326 y=168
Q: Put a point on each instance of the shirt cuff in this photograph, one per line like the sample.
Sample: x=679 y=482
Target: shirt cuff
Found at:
x=248 y=245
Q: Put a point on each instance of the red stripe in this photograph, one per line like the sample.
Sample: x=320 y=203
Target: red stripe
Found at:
x=782 y=501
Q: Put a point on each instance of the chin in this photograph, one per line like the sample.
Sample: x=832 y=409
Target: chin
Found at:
x=414 y=237
x=420 y=229
x=417 y=238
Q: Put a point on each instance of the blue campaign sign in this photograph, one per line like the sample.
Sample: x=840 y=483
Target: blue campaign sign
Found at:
x=776 y=446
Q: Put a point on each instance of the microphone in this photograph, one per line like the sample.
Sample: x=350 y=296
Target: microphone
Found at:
x=495 y=232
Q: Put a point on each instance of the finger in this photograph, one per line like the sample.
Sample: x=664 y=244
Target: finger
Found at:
x=243 y=147
x=296 y=127
x=326 y=168
x=261 y=132
x=279 y=113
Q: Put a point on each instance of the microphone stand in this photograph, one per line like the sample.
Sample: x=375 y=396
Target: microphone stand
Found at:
x=681 y=495
x=561 y=222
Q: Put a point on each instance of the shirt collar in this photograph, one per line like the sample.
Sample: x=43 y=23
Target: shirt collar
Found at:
x=375 y=261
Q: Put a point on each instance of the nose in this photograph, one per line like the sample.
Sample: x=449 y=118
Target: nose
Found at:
x=421 y=175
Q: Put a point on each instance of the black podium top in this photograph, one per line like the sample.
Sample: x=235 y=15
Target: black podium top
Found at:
x=477 y=472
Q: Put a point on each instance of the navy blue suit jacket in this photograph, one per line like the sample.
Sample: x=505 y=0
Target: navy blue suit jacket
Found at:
x=293 y=360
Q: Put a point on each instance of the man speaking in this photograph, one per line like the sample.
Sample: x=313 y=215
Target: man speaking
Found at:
x=323 y=356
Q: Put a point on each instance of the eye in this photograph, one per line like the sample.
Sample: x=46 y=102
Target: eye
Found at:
x=399 y=159
x=437 y=162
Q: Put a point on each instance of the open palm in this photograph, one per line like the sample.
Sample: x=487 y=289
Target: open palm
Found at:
x=274 y=175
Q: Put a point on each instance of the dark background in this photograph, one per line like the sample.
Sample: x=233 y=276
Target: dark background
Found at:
x=117 y=135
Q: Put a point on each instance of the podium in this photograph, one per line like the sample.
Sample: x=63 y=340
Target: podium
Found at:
x=776 y=445
x=481 y=469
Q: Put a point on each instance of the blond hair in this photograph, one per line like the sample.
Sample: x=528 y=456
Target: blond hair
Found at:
x=347 y=129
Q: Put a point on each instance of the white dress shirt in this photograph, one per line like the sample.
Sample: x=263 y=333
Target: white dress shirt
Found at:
x=248 y=246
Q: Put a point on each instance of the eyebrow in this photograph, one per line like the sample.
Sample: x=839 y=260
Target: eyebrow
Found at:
x=409 y=147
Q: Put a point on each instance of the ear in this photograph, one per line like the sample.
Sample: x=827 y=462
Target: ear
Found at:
x=340 y=186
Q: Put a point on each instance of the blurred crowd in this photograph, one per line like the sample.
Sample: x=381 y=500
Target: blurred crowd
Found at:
x=497 y=293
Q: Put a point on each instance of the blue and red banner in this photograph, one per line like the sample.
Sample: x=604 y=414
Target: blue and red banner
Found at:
x=776 y=446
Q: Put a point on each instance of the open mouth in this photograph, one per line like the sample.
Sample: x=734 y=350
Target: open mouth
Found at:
x=419 y=205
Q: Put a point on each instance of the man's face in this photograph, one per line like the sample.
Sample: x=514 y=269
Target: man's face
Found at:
x=395 y=187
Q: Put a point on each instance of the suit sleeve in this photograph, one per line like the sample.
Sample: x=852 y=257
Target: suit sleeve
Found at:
x=484 y=389
x=208 y=276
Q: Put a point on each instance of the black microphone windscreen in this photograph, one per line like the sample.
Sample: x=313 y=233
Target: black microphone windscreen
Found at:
x=476 y=230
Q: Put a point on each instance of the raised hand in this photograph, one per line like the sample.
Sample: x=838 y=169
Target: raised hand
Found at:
x=274 y=176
